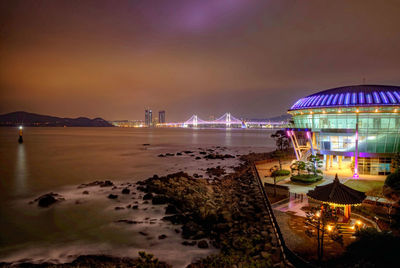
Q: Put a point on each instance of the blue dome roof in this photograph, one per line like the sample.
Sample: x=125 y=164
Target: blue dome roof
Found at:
x=361 y=95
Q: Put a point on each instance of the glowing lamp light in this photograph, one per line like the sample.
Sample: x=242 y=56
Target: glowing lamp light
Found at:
x=358 y=222
x=395 y=110
x=288 y=133
x=318 y=214
x=20 y=127
x=357 y=111
x=329 y=228
x=340 y=111
x=376 y=110
x=352 y=227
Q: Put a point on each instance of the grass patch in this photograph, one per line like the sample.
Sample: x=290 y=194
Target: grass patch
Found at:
x=364 y=185
x=306 y=178
x=279 y=173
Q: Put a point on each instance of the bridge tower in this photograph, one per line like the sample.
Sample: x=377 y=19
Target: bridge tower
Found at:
x=228 y=120
x=195 y=120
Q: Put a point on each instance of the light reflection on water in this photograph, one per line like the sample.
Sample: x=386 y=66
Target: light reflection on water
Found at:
x=56 y=159
x=20 y=170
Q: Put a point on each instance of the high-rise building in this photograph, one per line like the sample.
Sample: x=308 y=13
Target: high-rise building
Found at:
x=161 y=117
x=148 y=117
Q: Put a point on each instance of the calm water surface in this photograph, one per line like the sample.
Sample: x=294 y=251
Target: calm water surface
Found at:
x=59 y=159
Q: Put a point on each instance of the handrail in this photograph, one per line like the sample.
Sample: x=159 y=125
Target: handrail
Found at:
x=289 y=256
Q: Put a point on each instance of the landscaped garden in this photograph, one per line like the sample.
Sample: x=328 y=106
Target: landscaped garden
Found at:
x=307 y=171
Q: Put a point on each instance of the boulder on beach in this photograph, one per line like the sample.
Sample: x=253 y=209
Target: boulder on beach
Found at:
x=125 y=191
x=187 y=243
x=163 y=236
x=202 y=244
x=159 y=200
x=171 y=209
x=148 y=196
x=112 y=196
x=49 y=199
x=106 y=183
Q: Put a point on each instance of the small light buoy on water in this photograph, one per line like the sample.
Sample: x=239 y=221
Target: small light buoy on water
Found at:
x=20 y=140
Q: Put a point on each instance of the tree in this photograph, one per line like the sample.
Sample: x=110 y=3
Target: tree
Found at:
x=299 y=166
x=391 y=190
x=274 y=168
x=314 y=163
x=396 y=162
x=324 y=221
x=282 y=142
x=371 y=249
x=279 y=155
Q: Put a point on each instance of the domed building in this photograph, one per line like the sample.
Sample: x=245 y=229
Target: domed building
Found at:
x=356 y=124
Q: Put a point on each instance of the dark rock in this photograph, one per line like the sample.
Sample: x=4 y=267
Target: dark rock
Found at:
x=169 y=154
x=112 y=196
x=178 y=153
x=163 y=236
x=85 y=192
x=49 y=199
x=175 y=219
x=161 y=155
x=202 y=152
x=125 y=191
x=187 y=243
x=97 y=183
x=188 y=152
x=128 y=206
x=148 y=196
x=143 y=233
x=197 y=158
x=202 y=244
x=171 y=209
x=177 y=231
x=190 y=229
x=217 y=171
x=159 y=200
x=119 y=208
x=135 y=207
x=129 y=221
x=146 y=144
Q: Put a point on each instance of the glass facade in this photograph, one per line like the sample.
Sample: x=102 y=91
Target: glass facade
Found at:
x=378 y=132
x=342 y=118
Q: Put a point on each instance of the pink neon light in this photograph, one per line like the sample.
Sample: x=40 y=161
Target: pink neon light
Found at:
x=308 y=134
x=288 y=133
x=356 y=135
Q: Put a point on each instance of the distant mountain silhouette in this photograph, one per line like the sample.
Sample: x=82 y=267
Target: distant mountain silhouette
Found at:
x=38 y=120
x=284 y=117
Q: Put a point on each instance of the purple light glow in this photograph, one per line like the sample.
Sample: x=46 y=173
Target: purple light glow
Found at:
x=376 y=97
x=352 y=98
x=384 y=98
x=361 y=97
x=341 y=98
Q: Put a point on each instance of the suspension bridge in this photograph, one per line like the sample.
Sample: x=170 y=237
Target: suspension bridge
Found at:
x=227 y=120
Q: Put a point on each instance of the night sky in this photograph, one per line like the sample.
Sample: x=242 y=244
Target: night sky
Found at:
x=252 y=58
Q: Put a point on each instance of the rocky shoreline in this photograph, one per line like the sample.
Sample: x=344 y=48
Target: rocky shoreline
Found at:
x=226 y=213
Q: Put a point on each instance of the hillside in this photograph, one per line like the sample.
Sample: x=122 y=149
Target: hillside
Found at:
x=38 y=120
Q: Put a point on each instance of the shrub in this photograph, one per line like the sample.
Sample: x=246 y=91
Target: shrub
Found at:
x=282 y=172
x=306 y=178
x=393 y=180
